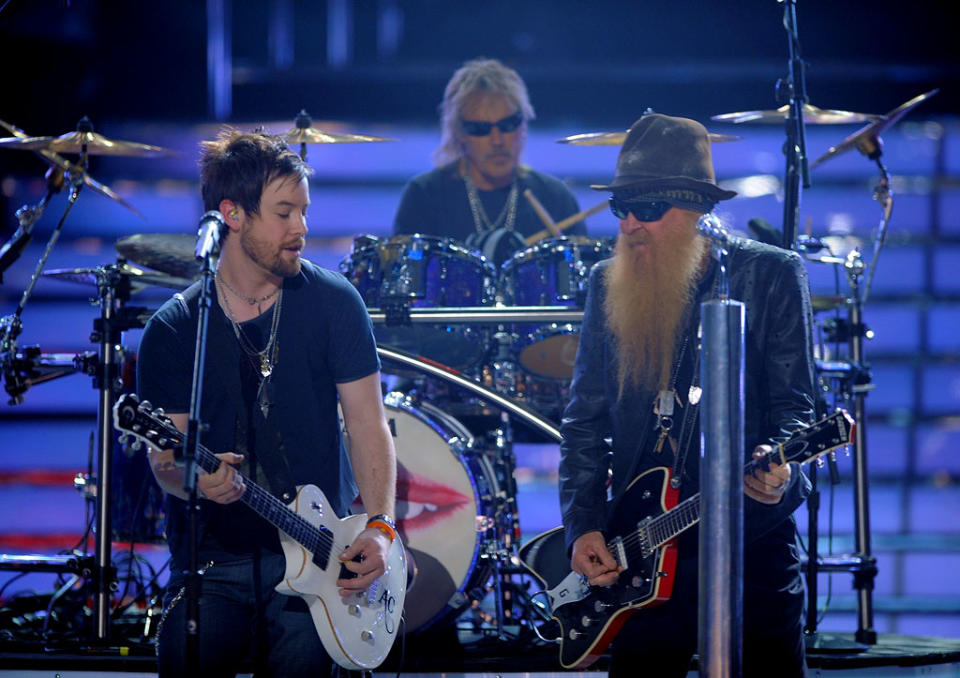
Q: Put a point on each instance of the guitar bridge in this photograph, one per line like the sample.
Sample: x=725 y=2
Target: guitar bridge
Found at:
x=619 y=552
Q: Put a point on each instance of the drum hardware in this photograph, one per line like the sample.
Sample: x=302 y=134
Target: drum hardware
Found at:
x=485 y=314
x=867 y=140
x=304 y=133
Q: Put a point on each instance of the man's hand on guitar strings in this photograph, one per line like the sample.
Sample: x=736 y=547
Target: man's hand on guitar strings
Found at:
x=366 y=558
x=225 y=485
x=592 y=559
x=767 y=486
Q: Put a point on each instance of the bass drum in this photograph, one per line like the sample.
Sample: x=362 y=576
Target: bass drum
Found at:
x=447 y=494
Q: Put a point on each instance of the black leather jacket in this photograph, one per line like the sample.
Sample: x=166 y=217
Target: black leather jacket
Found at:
x=602 y=435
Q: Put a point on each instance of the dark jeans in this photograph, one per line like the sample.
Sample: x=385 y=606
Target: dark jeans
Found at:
x=660 y=641
x=242 y=619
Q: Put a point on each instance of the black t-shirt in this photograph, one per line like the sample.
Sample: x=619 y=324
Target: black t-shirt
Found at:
x=435 y=203
x=324 y=338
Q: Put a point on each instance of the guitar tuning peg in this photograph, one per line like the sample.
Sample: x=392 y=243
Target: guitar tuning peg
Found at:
x=162 y=443
x=145 y=406
x=159 y=412
x=820 y=462
x=123 y=439
x=137 y=445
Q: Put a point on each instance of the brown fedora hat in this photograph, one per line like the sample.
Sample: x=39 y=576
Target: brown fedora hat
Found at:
x=666 y=154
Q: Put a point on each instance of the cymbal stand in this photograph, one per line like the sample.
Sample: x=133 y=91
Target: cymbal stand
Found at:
x=856 y=383
x=793 y=91
x=883 y=195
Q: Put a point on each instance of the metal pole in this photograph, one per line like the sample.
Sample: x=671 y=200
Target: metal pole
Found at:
x=103 y=574
x=863 y=580
x=721 y=474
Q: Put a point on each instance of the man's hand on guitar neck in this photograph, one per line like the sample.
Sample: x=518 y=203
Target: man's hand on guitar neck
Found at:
x=767 y=487
x=593 y=559
x=366 y=558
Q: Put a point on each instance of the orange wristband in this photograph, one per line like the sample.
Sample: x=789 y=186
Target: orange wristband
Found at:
x=384 y=527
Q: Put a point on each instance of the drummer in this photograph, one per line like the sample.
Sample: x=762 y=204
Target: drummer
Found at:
x=476 y=194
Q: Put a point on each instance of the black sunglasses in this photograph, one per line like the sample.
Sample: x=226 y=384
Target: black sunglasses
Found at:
x=481 y=128
x=646 y=210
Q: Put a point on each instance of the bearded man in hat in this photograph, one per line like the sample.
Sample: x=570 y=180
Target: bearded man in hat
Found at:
x=639 y=355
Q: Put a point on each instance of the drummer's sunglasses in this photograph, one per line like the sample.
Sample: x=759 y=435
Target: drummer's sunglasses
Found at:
x=642 y=210
x=481 y=128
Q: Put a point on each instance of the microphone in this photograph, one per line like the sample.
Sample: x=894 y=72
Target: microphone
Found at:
x=709 y=226
x=209 y=234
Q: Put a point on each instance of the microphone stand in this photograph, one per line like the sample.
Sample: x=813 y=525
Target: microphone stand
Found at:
x=189 y=454
x=793 y=89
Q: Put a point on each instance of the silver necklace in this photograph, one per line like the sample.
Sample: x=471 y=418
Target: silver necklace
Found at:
x=264 y=361
x=481 y=222
x=249 y=300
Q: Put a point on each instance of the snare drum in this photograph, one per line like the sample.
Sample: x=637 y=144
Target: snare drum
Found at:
x=551 y=273
x=423 y=271
x=447 y=494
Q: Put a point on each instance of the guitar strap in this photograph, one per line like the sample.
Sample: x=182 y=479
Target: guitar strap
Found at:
x=267 y=443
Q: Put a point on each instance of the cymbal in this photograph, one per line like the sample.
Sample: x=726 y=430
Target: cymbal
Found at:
x=171 y=253
x=139 y=279
x=64 y=164
x=867 y=139
x=811 y=116
x=827 y=303
x=304 y=132
x=617 y=138
x=312 y=135
x=84 y=139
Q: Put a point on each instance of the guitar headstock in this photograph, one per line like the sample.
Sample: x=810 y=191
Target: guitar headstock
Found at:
x=141 y=421
x=818 y=439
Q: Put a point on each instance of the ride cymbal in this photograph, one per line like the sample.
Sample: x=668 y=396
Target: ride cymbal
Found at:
x=867 y=139
x=617 y=138
x=84 y=140
x=170 y=253
x=811 y=116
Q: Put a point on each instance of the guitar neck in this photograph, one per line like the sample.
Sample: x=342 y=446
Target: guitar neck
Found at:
x=317 y=540
x=686 y=514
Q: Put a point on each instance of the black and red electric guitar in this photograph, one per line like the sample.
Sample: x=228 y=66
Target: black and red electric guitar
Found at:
x=646 y=522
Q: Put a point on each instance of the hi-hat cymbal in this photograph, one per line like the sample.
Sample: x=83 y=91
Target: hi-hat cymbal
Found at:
x=139 y=279
x=617 y=138
x=64 y=164
x=867 y=139
x=171 y=253
x=811 y=116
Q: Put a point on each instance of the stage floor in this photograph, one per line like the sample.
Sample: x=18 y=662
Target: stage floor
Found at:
x=892 y=656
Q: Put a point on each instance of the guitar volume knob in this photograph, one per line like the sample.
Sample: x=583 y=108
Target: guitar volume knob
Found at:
x=366 y=635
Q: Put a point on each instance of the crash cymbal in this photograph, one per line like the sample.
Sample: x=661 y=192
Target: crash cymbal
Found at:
x=617 y=139
x=170 y=253
x=139 y=279
x=64 y=164
x=867 y=140
x=811 y=116
x=303 y=132
x=312 y=135
x=84 y=139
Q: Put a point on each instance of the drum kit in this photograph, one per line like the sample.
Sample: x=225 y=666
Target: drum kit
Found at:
x=472 y=350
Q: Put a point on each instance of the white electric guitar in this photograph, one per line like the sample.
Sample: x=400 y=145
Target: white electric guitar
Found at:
x=357 y=631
